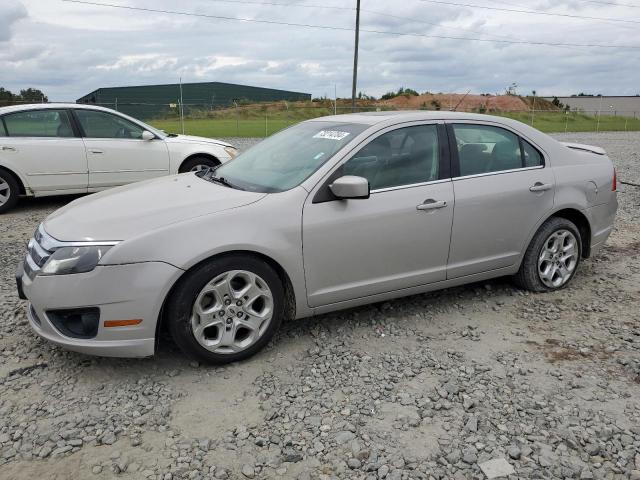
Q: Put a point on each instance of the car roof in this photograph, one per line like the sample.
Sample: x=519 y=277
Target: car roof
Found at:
x=47 y=106
x=395 y=116
x=380 y=120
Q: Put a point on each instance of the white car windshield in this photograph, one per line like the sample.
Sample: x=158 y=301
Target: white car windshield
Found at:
x=284 y=160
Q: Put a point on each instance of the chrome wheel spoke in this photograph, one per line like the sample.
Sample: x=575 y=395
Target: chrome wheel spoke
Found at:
x=199 y=330
x=548 y=273
x=228 y=339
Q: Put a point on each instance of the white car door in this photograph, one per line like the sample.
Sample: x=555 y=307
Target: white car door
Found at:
x=43 y=146
x=116 y=152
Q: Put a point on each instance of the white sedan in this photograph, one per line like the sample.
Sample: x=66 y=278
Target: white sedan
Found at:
x=54 y=149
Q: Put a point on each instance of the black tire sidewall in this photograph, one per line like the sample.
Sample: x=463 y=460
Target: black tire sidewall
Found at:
x=192 y=162
x=529 y=269
x=14 y=191
x=184 y=295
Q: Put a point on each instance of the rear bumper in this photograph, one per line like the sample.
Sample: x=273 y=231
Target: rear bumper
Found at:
x=601 y=218
x=121 y=292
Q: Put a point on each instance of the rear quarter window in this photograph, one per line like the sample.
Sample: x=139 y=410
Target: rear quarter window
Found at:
x=531 y=156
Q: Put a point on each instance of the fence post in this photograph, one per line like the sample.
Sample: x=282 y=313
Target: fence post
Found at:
x=266 y=124
x=237 y=120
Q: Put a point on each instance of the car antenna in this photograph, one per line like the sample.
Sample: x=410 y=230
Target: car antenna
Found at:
x=463 y=97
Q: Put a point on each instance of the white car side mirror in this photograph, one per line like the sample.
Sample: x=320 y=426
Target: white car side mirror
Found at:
x=147 y=135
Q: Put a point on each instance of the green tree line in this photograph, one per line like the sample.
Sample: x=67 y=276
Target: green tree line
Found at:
x=28 y=95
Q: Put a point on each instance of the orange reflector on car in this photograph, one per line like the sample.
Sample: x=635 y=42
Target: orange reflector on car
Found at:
x=122 y=323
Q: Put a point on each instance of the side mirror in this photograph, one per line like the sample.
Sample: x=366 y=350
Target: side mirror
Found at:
x=147 y=135
x=350 y=186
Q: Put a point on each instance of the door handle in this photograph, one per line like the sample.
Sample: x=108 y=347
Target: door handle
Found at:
x=7 y=149
x=96 y=151
x=540 y=187
x=431 y=204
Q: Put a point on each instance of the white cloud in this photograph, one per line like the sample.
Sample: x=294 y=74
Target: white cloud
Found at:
x=141 y=63
x=70 y=49
x=10 y=12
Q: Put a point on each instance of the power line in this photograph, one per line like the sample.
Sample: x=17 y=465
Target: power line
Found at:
x=347 y=29
x=533 y=12
x=374 y=12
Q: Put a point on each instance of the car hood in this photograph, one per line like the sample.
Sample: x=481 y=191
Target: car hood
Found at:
x=124 y=212
x=199 y=140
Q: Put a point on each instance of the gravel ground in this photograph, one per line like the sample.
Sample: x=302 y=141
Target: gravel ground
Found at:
x=444 y=385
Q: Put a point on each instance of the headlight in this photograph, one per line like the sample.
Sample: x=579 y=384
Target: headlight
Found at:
x=231 y=151
x=68 y=260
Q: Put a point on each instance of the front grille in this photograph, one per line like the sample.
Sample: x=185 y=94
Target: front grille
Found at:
x=37 y=252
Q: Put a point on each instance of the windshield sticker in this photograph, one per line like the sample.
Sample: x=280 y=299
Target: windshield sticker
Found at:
x=331 y=134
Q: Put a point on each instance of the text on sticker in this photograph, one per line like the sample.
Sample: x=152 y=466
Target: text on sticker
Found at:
x=331 y=134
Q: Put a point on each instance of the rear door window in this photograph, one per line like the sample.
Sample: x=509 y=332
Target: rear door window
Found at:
x=39 y=123
x=486 y=149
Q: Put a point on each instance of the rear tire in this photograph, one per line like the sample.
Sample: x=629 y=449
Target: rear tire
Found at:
x=197 y=164
x=226 y=309
x=552 y=258
x=9 y=191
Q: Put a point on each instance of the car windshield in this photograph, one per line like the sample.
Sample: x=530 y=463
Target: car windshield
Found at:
x=284 y=160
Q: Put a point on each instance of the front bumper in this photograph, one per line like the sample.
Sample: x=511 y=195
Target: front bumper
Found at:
x=121 y=292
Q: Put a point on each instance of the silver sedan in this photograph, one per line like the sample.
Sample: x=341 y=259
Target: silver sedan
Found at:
x=329 y=214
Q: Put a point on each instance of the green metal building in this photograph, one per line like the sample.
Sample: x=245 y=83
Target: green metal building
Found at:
x=146 y=102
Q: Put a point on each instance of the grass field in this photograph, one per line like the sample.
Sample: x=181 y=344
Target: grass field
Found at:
x=255 y=123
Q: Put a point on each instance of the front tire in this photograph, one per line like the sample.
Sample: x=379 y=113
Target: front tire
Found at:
x=226 y=309
x=552 y=258
x=197 y=164
x=9 y=191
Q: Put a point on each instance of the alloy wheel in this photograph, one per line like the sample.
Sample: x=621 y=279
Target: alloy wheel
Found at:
x=232 y=312
x=5 y=191
x=558 y=258
x=199 y=168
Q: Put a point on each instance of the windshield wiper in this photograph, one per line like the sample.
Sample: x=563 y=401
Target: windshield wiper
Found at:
x=222 y=181
x=209 y=175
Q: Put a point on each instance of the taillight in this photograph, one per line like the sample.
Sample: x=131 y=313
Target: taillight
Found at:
x=614 y=185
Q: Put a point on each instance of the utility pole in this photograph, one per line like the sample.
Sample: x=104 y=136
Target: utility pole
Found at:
x=533 y=108
x=181 y=107
x=355 y=59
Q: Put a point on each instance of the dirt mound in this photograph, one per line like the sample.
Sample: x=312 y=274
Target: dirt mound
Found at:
x=448 y=101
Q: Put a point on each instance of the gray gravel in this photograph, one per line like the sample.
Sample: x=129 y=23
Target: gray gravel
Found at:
x=459 y=384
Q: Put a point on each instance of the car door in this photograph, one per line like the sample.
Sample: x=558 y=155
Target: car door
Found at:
x=502 y=188
x=116 y=152
x=395 y=239
x=44 y=147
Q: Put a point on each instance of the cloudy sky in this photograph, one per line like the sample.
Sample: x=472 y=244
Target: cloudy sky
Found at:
x=69 y=49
